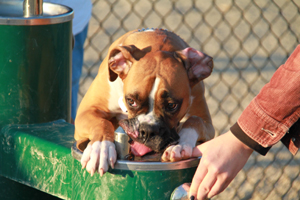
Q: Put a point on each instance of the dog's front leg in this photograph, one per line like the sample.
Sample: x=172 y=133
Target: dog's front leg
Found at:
x=183 y=150
x=98 y=156
x=193 y=130
x=100 y=153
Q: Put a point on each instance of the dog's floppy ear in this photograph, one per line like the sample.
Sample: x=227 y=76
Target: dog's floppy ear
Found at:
x=120 y=60
x=197 y=64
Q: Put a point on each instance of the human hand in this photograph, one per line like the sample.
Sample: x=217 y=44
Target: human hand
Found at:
x=222 y=158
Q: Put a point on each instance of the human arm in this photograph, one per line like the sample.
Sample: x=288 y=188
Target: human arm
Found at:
x=269 y=116
x=274 y=111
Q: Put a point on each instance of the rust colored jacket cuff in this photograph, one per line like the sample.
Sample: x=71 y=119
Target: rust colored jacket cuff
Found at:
x=243 y=137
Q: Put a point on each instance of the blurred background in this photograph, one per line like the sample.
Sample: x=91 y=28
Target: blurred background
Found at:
x=248 y=41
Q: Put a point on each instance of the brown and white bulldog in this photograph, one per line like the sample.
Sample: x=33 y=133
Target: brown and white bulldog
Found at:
x=151 y=85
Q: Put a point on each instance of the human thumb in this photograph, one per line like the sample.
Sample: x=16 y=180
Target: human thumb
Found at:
x=197 y=151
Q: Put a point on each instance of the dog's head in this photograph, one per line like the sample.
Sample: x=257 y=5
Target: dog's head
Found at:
x=157 y=92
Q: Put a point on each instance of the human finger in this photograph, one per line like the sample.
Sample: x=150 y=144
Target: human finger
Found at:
x=197 y=152
x=186 y=186
x=197 y=179
x=206 y=185
x=220 y=185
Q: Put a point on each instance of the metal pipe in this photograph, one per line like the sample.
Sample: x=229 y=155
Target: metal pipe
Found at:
x=121 y=142
x=32 y=8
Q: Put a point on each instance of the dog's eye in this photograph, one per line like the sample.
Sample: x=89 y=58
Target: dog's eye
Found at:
x=131 y=102
x=171 y=106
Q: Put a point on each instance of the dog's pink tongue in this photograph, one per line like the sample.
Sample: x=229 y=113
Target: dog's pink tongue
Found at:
x=139 y=149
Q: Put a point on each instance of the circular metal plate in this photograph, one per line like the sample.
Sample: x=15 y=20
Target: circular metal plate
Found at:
x=11 y=13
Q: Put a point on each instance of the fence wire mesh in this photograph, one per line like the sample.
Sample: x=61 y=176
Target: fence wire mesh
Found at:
x=248 y=40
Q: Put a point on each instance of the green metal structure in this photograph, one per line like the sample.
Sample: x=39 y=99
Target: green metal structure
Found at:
x=40 y=156
x=35 y=66
x=35 y=79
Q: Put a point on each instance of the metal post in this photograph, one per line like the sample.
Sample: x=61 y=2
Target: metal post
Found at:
x=32 y=8
x=121 y=142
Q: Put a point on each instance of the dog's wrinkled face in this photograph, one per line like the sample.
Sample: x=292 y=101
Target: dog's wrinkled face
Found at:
x=157 y=95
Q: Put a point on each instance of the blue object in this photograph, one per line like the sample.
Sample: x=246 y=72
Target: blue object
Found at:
x=77 y=62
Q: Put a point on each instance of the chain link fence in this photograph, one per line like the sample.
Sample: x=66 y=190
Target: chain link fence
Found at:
x=248 y=40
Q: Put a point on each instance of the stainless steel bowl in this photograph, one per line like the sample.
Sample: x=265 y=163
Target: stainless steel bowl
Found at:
x=145 y=166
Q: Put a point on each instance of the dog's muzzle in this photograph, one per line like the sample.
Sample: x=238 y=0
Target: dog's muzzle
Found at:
x=148 y=137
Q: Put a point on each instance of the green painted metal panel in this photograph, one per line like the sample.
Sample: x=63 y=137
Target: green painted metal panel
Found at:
x=35 y=87
x=12 y=190
x=128 y=184
x=39 y=156
x=35 y=73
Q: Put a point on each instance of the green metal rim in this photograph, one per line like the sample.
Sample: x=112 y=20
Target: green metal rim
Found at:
x=11 y=13
x=145 y=166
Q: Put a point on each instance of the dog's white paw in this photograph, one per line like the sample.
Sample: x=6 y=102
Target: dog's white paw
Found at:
x=183 y=150
x=98 y=157
x=177 y=152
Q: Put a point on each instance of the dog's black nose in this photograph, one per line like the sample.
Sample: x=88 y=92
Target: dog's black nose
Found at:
x=148 y=131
